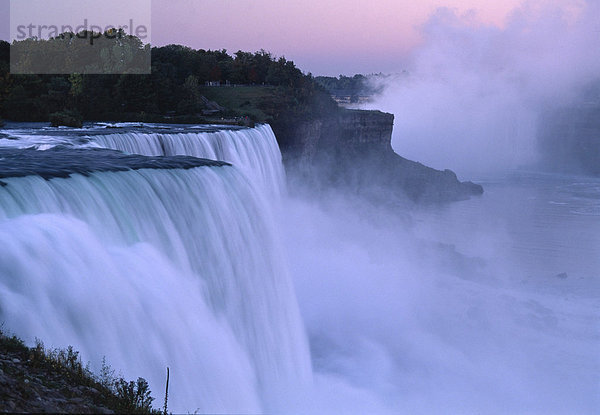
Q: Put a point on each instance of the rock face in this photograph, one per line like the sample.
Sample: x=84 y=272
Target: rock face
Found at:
x=353 y=148
x=29 y=388
x=348 y=133
x=569 y=139
x=38 y=380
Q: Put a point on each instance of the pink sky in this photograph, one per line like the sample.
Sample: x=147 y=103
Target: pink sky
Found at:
x=324 y=37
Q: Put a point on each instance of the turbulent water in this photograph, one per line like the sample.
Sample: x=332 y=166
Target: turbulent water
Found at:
x=254 y=151
x=484 y=306
x=156 y=268
x=490 y=305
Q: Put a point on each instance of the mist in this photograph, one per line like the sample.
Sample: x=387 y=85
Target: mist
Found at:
x=432 y=309
x=470 y=96
x=483 y=306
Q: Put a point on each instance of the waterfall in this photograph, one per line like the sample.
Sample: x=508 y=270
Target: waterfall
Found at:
x=253 y=150
x=159 y=267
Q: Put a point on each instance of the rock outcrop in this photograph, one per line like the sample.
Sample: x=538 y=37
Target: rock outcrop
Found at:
x=64 y=161
x=353 y=148
x=35 y=380
x=66 y=118
x=26 y=388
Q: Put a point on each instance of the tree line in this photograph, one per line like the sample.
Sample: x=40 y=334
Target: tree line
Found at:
x=174 y=85
x=352 y=86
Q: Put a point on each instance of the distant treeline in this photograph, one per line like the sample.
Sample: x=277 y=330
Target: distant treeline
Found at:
x=174 y=87
x=351 y=86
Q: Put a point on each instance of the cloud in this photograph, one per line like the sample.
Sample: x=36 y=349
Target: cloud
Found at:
x=473 y=92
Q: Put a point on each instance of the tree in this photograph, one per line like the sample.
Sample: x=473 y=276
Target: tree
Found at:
x=191 y=102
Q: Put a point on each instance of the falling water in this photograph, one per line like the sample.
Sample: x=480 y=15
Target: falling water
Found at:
x=253 y=150
x=154 y=268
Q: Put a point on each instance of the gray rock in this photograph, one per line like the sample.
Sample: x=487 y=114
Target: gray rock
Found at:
x=100 y=410
x=353 y=148
x=562 y=276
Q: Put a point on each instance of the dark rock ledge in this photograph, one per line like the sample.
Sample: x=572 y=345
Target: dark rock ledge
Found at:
x=64 y=161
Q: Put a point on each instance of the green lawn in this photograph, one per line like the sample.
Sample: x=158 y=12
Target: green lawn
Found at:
x=250 y=101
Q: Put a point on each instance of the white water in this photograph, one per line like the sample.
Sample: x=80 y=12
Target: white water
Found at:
x=156 y=268
x=455 y=309
x=254 y=151
x=487 y=306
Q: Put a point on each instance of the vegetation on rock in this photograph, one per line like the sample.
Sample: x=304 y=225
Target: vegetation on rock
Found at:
x=35 y=379
x=66 y=118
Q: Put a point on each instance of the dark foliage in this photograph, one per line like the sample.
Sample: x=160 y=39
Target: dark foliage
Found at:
x=175 y=89
x=134 y=396
x=351 y=86
x=67 y=118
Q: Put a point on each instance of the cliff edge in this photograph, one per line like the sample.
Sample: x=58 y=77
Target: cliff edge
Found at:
x=353 y=148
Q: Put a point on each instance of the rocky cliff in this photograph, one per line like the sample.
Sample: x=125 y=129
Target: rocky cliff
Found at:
x=348 y=132
x=353 y=148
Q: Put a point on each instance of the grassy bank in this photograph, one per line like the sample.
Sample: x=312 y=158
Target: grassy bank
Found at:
x=251 y=101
